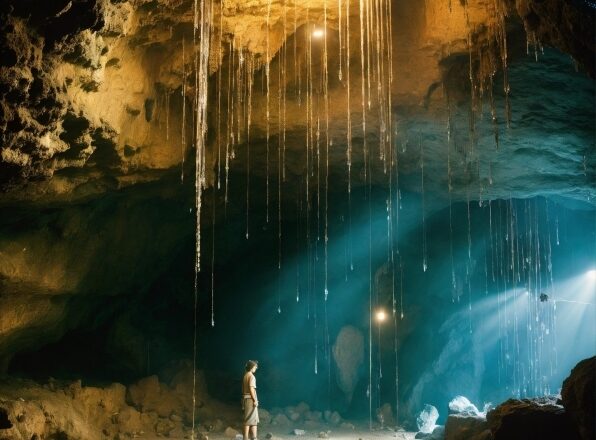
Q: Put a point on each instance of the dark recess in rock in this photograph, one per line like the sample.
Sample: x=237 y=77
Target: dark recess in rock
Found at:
x=5 y=423
x=105 y=155
x=149 y=104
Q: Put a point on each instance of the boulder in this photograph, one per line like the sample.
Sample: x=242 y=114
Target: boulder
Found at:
x=332 y=417
x=578 y=398
x=437 y=434
x=164 y=426
x=129 y=419
x=299 y=432
x=302 y=408
x=292 y=414
x=230 y=432
x=385 y=415
x=216 y=425
x=280 y=420
x=527 y=419
x=264 y=416
x=148 y=394
x=348 y=354
x=466 y=427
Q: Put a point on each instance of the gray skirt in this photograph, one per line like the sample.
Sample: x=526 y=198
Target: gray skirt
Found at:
x=251 y=412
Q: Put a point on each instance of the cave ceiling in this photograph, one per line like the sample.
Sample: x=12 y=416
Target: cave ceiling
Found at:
x=92 y=94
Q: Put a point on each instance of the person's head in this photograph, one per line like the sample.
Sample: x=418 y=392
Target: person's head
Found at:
x=251 y=366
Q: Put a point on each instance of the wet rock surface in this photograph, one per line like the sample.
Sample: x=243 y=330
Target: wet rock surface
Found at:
x=578 y=397
x=463 y=426
x=93 y=92
x=541 y=418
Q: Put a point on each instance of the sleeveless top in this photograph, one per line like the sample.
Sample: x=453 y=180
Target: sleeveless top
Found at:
x=248 y=381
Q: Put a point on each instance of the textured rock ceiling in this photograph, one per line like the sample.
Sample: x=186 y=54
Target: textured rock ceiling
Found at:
x=91 y=102
x=91 y=91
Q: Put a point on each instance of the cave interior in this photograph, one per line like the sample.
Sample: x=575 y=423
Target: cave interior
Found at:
x=391 y=205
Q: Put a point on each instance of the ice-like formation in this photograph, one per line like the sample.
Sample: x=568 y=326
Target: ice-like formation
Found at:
x=427 y=419
x=461 y=405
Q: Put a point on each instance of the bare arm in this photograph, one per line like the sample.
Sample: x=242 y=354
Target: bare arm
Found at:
x=253 y=394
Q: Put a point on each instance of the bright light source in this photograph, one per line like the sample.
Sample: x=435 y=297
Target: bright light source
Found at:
x=318 y=33
x=380 y=315
x=591 y=274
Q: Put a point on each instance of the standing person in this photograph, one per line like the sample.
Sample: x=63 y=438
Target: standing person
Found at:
x=250 y=402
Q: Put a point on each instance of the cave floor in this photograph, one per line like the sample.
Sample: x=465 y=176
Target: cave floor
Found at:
x=277 y=434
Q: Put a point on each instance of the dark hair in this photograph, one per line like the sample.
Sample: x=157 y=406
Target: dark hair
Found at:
x=250 y=365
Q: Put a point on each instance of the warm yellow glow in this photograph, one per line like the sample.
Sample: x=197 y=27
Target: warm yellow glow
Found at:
x=318 y=33
x=380 y=315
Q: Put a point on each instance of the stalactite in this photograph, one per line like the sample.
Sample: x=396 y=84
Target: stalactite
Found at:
x=424 y=250
x=183 y=129
x=201 y=62
x=267 y=74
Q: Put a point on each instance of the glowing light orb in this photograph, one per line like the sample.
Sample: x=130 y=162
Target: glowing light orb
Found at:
x=380 y=315
x=318 y=33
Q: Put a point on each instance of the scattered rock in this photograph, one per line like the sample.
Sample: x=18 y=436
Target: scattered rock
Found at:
x=332 y=417
x=312 y=425
x=299 y=432
x=292 y=414
x=150 y=395
x=385 y=415
x=203 y=436
x=324 y=434
x=347 y=425
x=164 y=426
x=302 y=408
x=178 y=432
x=217 y=425
x=578 y=398
x=230 y=432
x=269 y=436
x=264 y=416
x=280 y=420
x=314 y=416
x=175 y=418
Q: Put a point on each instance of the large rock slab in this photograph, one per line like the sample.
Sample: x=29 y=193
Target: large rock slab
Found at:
x=528 y=419
x=577 y=395
x=466 y=427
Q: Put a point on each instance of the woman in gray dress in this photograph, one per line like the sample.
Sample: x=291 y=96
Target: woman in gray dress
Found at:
x=250 y=402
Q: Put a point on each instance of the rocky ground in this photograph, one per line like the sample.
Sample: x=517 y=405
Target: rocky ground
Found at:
x=150 y=409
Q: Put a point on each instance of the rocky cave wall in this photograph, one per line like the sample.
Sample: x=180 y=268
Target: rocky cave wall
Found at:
x=92 y=138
